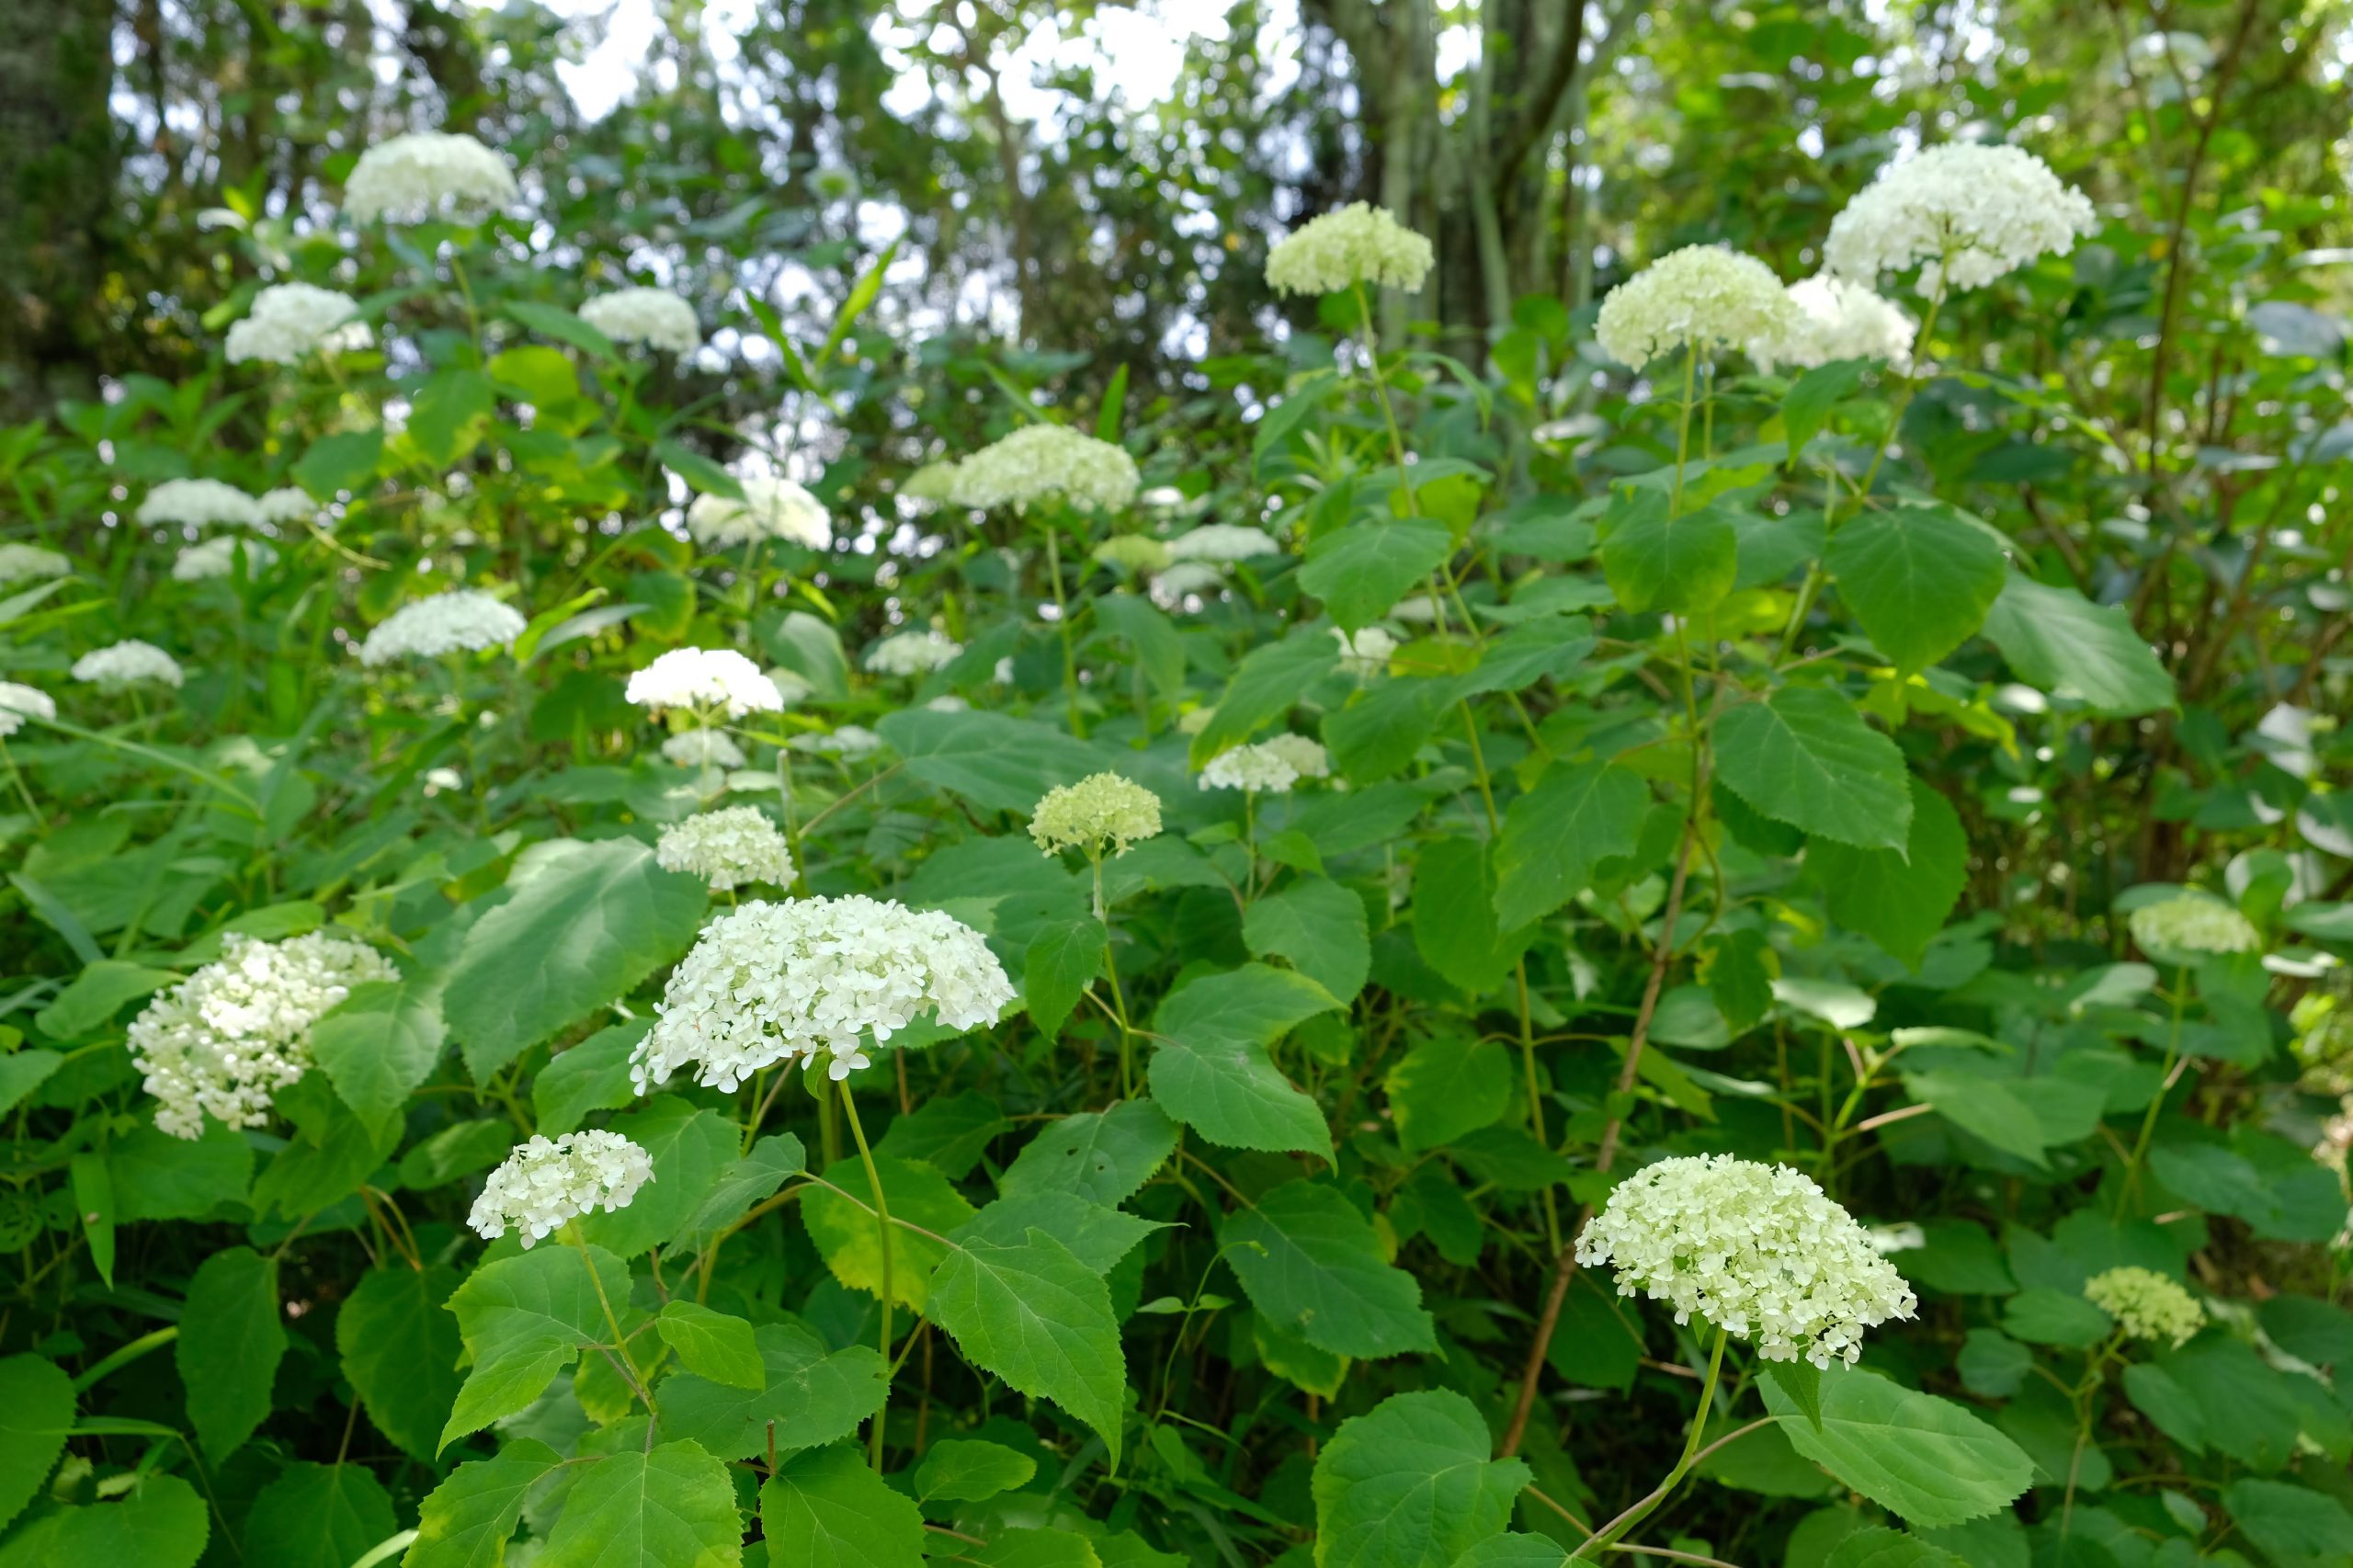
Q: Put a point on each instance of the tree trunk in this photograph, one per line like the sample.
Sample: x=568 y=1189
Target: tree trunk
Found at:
x=57 y=173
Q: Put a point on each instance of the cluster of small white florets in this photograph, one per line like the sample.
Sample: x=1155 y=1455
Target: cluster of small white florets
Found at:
x=1138 y=553
x=1266 y=767
x=290 y=322
x=463 y=621
x=654 y=317
x=2147 y=1305
x=703 y=748
x=129 y=662
x=772 y=508
x=18 y=703
x=199 y=504
x=770 y=982
x=216 y=557
x=1101 y=810
x=1966 y=213
x=705 y=680
x=1306 y=757
x=1700 y=298
x=2193 y=923
x=1223 y=541
x=1172 y=587
x=913 y=653
x=1755 y=1249
x=1358 y=244
x=726 y=848
x=1045 y=462
x=1368 y=653
x=229 y=1037
x=546 y=1183
x=847 y=742
x=21 y=561
x=1836 y=320
x=415 y=176
x=284 y=504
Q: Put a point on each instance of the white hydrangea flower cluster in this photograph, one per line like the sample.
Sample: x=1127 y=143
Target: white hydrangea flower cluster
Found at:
x=2147 y=1305
x=1700 y=298
x=1223 y=541
x=1965 y=212
x=726 y=848
x=462 y=620
x=1045 y=462
x=414 y=176
x=1138 y=553
x=199 y=504
x=705 y=680
x=1368 y=653
x=913 y=653
x=120 y=665
x=290 y=322
x=1185 y=578
x=770 y=982
x=18 y=701
x=933 y=485
x=1102 y=809
x=2193 y=923
x=792 y=688
x=216 y=557
x=547 y=1183
x=703 y=748
x=655 y=317
x=1304 y=756
x=286 y=503
x=1836 y=320
x=1358 y=244
x=19 y=562
x=1755 y=1249
x=229 y=1037
x=849 y=743
x=1261 y=768
x=772 y=508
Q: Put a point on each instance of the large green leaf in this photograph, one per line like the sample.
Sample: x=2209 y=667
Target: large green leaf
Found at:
x=590 y=1076
x=1806 y=757
x=1098 y=1236
x=1312 y=1263
x=1211 y=1071
x=712 y=1345
x=400 y=1348
x=1879 y=1547
x=671 y=1507
x=1683 y=564
x=850 y=1240
x=1899 y=899
x=999 y=763
x=1926 y=1460
x=958 y=1469
x=1036 y=1315
x=751 y=1180
x=586 y=922
x=1446 y=1086
x=1919 y=578
x=811 y=1396
x=689 y=1147
x=2058 y=640
x=826 y=1509
x=1411 y=1484
x=467 y=1520
x=1361 y=570
x=380 y=1043
x=1454 y=916
x=1578 y=814
x=1100 y=1155
x=318 y=1516
x=1319 y=926
x=161 y=1524
x=2291 y=1524
x=158 y=1176
x=230 y=1340
x=1267 y=682
x=1063 y=961
x=524 y=1320
x=36 y=1411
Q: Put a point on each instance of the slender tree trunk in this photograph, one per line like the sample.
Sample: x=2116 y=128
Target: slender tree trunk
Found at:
x=57 y=172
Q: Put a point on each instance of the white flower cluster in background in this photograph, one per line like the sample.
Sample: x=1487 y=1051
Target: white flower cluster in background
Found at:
x=129 y=662
x=1261 y=768
x=1303 y=755
x=726 y=848
x=547 y=1183
x=1836 y=320
x=224 y=1040
x=216 y=557
x=1103 y=809
x=2147 y=1305
x=1755 y=1249
x=772 y=508
x=1965 y=213
x=19 y=562
x=770 y=982
x=1699 y=297
x=414 y=176
x=705 y=680
x=1368 y=653
x=1358 y=244
x=847 y=743
x=1045 y=462
x=655 y=317
x=1223 y=541
x=913 y=653
x=463 y=621
x=703 y=748
x=1185 y=578
x=199 y=504
x=18 y=701
x=2193 y=923
x=1138 y=553
x=286 y=504
x=290 y=322
x=791 y=685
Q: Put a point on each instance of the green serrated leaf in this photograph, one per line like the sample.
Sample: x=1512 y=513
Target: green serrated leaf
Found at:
x=673 y=1508
x=960 y=1470
x=1926 y=1460
x=467 y=1520
x=1211 y=1071
x=1312 y=1263
x=1411 y=1484
x=36 y=1412
x=1359 y=572
x=400 y=1348
x=318 y=1516
x=1806 y=757
x=711 y=1344
x=1320 y=927
x=524 y=1320
x=1920 y=578
x=231 y=1339
x=1037 y=1317
x=1578 y=814
x=1103 y=1157
x=1680 y=564
x=826 y=1509
x=811 y=1395
x=2058 y=640
x=1063 y=961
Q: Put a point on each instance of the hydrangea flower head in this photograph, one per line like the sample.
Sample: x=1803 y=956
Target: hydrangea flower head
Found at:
x=1755 y=1249
x=2193 y=923
x=726 y=848
x=462 y=620
x=19 y=561
x=286 y=504
x=913 y=653
x=655 y=317
x=1257 y=769
x=121 y=666
x=415 y=176
x=705 y=681
x=1368 y=653
x=772 y=508
x=846 y=742
x=1699 y=297
x=2147 y=1305
x=217 y=557
x=1138 y=553
x=1223 y=541
x=1305 y=756
x=1836 y=320
x=547 y=1183
x=1966 y=213
x=1101 y=810
x=1356 y=244
x=703 y=748
x=224 y=1040
x=18 y=703
x=933 y=485
x=771 y=982
x=1046 y=463
x=199 y=504
x=290 y=322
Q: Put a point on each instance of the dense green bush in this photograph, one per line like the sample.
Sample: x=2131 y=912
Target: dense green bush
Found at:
x=1831 y=752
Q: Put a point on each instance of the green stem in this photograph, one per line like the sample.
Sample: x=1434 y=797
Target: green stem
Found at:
x=24 y=790
x=1610 y=1534
x=622 y=1360
x=882 y=1231
x=2131 y=1181
x=1062 y=624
